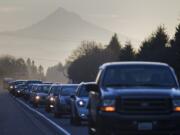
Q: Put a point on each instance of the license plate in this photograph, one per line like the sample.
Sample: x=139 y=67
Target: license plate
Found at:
x=145 y=126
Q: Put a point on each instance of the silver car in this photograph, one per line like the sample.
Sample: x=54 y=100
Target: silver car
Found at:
x=79 y=103
x=62 y=102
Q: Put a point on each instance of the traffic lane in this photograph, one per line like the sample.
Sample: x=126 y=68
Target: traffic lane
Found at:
x=63 y=121
x=14 y=120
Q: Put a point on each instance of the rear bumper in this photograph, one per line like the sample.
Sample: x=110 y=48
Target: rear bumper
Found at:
x=129 y=124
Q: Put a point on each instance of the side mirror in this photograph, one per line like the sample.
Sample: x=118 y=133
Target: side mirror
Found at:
x=92 y=87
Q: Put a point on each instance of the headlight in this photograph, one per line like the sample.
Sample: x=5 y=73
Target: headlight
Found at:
x=37 y=97
x=15 y=87
x=51 y=99
x=18 y=91
x=176 y=105
x=81 y=103
x=11 y=87
x=108 y=105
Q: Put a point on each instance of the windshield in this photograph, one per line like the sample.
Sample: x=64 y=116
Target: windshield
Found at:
x=68 y=90
x=148 y=76
x=43 y=89
x=18 y=82
x=55 y=89
x=32 y=82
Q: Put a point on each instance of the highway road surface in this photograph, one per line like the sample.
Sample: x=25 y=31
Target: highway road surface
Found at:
x=18 y=118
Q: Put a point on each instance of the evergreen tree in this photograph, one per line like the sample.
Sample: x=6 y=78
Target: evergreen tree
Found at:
x=114 y=43
x=34 y=70
x=114 y=48
x=41 y=72
x=175 y=51
x=155 y=48
x=127 y=53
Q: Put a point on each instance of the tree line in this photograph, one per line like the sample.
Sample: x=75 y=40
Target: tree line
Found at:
x=84 y=62
x=18 y=68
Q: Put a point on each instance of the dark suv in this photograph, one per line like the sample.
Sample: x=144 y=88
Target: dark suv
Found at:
x=134 y=98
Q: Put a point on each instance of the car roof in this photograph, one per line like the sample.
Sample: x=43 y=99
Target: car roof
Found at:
x=42 y=84
x=21 y=84
x=19 y=81
x=55 y=84
x=64 y=85
x=86 y=83
x=132 y=63
x=34 y=81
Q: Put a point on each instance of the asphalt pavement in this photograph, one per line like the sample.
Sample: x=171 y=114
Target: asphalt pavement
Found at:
x=16 y=119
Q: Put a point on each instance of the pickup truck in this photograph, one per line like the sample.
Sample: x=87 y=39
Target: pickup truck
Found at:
x=134 y=98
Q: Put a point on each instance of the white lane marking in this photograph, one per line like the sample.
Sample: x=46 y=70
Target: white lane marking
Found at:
x=42 y=115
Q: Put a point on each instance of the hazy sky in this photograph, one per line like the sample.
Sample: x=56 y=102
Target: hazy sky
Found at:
x=133 y=18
